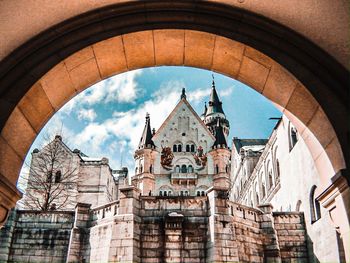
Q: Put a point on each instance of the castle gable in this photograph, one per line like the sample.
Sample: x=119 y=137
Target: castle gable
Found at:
x=183 y=126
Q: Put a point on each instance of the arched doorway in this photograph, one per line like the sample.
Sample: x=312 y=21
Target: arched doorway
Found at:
x=44 y=73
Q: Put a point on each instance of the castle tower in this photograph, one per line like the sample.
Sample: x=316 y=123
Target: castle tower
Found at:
x=215 y=113
x=144 y=158
x=219 y=126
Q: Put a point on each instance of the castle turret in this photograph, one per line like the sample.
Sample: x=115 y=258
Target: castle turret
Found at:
x=214 y=113
x=144 y=158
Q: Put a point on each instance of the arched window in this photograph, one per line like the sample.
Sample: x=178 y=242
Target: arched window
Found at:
x=217 y=169
x=179 y=148
x=160 y=193
x=203 y=193
x=151 y=168
x=270 y=180
x=183 y=168
x=165 y=193
x=198 y=193
x=177 y=168
x=58 y=177
x=187 y=148
x=298 y=205
x=169 y=193
x=141 y=169
x=226 y=168
x=278 y=168
x=315 y=209
x=192 y=148
x=136 y=170
x=263 y=190
x=190 y=169
x=174 y=148
x=257 y=199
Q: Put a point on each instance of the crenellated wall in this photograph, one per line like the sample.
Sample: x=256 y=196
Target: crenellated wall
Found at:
x=157 y=229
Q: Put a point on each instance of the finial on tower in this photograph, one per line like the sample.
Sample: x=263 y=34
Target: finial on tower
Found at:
x=213 y=83
x=183 y=94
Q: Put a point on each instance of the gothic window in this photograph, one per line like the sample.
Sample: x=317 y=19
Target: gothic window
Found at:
x=151 y=168
x=183 y=168
x=190 y=169
x=136 y=170
x=169 y=193
x=165 y=193
x=177 y=168
x=192 y=148
x=58 y=177
x=160 y=193
x=141 y=169
x=217 y=169
x=270 y=180
x=203 y=193
x=257 y=198
x=226 y=168
x=182 y=193
x=174 y=148
x=315 y=209
x=179 y=148
x=187 y=148
x=198 y=193
x=278 y=168
x=263 y=190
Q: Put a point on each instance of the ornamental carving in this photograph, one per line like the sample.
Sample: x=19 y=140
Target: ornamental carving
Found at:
x=166 y=158
x=200 y=158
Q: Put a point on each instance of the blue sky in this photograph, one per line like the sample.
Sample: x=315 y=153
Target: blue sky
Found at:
x=106 y=120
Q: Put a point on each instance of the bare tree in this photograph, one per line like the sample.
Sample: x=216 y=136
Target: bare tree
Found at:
x=53 y=179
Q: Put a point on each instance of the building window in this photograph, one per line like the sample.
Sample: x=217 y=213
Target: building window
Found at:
x=177 y=168
x=58 y=177
x=151 y=168
x=315 y=209
x=136 y=170
x=187 y=148
x=183 y=168
x=190 y=169
x=263 y=190
x=278 y=168
x=293 y=137
x=179 y=148
x=198 y=193
x=174 y=148
x=217 y=169
x=203 y=193
x=165 y=193
x=141 y=169
x=169 y=193
x=160 y=193
x=270 y=180
x=192 y=148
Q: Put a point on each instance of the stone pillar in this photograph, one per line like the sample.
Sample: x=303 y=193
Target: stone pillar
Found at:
x=6 y=233
x=173 y=238
x=336 y=199
x=271 y=248
x=125 y=240
x=79 y=238
x=9 y=195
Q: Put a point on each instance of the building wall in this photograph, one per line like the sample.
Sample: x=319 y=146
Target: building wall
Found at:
x=290 y=191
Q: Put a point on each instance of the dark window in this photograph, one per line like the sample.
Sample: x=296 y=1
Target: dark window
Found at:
x=203 y=194
x=181 y=193
x=165 y=193
x=151 y=169
x=278 y=168
x=192 y=148
x=58 y=177
x=315 y=209
x=49 y=177
x=217 y=169
x=160 y=193
x=270 y=180
x=175 y=148
x=187 y=148
x=179 y=148
x=198 y=193
x=263 y=190
x=190 y=169
x=183 y=169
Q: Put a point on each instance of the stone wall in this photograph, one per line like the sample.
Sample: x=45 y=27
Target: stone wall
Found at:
x=32 y=236
x=157 y=229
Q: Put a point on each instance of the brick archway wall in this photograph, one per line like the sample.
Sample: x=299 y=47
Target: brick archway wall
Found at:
x=38 y=78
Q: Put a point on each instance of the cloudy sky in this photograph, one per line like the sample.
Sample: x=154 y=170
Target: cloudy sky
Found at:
x=107 y=119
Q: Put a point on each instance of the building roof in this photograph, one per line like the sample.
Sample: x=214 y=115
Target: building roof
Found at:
x=239 y=143
x=146 y=138
x=215 y=105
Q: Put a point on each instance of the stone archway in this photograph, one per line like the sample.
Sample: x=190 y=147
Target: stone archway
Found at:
x=43 y=74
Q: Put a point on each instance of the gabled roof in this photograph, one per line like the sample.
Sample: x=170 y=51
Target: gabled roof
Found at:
x=239 y=143
x=146 y=138
x=181 y=102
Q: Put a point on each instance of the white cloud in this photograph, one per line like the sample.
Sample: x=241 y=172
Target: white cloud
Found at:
x=87 y=114
x=121 y=88
x=226 y=92
x=198 y=95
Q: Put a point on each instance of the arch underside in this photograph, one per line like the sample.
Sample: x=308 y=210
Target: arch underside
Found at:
x=300 y=78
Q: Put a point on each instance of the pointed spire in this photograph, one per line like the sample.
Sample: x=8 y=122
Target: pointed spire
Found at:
x=146 y=138
x=215 y=105
x=220 y=139
x=205 y=109
x=183 y=94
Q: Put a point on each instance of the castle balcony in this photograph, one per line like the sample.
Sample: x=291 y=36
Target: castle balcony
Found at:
x=184 y=178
